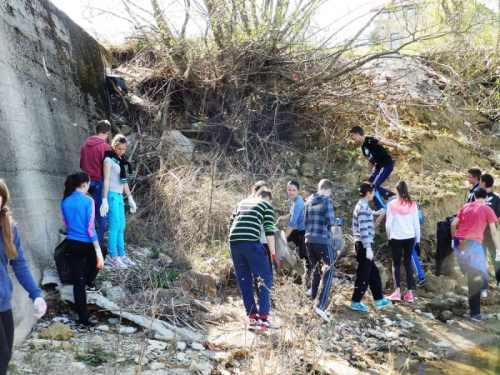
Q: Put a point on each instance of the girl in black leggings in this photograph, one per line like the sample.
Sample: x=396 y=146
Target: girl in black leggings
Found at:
x=403 y=229
x=11 y=252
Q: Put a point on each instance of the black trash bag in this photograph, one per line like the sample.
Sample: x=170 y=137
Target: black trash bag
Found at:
x=444 y=251
x=62 y=265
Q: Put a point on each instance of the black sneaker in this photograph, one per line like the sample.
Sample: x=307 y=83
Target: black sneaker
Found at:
x=420 y=282
x=92 y=288
x=85 y=324
x=479 y=317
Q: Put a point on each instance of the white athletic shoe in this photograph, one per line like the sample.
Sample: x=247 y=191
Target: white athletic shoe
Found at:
x=322 y=314
x=309 y=292
x=115 y=263
x=127 y=261
x=484 y=293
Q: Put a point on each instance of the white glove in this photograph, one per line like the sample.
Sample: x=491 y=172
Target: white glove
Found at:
x=497 y=258
x=403 y=148
x=378 y=212
x=369 y=253
x=104 y=207
x=40 y=307
x=100 y=258
x=133 y=206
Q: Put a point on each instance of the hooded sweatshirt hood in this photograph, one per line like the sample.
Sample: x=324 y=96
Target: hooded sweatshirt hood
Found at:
x=318 y=198
x=92 y=155
x=94 y=141
x=402 y=208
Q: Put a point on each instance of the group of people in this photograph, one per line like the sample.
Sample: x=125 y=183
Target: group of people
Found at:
x=309 y=223
x=92 y=199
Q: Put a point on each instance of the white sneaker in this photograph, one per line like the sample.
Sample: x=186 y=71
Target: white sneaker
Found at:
x=127 y=261
x=309 y=292
x=322 y=314
x=115 y=263
x=484 y=293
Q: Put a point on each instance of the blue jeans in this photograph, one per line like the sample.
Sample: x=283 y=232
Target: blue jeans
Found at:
x=319 y=255
x=96 y=191
x=251 y=262
x=417 y=266
x=378 y=177
x=116 y=219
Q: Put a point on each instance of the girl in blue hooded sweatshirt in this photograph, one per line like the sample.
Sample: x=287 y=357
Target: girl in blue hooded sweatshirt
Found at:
x=11 y=252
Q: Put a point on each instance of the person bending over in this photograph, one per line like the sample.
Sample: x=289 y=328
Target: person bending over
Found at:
x=380 y=164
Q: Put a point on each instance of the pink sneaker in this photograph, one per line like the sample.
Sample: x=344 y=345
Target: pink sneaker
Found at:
x=396 y=296
x=409 y=298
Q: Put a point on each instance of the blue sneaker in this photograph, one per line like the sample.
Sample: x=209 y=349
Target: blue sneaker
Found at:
x=358 y=306
x=382 y=303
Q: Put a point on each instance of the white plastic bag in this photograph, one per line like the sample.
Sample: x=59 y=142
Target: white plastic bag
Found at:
x=286 y=256
x=337 y=239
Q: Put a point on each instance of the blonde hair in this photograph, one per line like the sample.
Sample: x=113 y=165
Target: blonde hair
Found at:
x=117 y=139
x=6 y=223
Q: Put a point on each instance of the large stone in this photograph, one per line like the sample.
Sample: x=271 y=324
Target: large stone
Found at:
x=57 y=331
x=384 y=274
x=308 y=170
x=198 y=281
x=175 y=145
x=440 y=284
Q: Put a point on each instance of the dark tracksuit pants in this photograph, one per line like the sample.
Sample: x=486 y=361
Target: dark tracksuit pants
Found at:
x=79 y=255
x=366 y=275
x=475 y=283
x=6 y=339
x=298 y=238
x=403 y=248
x=378 y=176
x=251 y=262
x=489 y=247
x=319 y=255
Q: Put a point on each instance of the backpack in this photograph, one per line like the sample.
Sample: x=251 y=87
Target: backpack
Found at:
x=62 y=265
x=444 y=251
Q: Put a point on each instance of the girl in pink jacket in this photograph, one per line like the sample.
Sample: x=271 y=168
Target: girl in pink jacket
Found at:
x=403 y=230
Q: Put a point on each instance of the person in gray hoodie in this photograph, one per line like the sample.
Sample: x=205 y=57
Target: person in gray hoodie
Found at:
x=319 y=218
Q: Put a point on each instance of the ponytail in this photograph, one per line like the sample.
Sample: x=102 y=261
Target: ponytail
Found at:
x=6 y=223
x=403 y=193
x=74 y=181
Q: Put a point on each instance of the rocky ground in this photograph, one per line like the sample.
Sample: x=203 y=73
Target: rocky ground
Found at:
x=210 y=335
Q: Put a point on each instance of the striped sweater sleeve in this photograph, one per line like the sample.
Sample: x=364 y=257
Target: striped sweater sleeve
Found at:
x=268 y=221
x=364 y=228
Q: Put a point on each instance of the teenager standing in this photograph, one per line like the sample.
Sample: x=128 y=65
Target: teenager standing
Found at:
x=250 y=260
x=319 y=218
x=367 y=273
x=467 y=230
x=473 y=177
x=116 y=171
x=91 y=157
x=82 y=245
x=11 y=252
x=403 y=231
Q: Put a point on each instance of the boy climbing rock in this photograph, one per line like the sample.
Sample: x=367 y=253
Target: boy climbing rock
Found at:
x=380 y=164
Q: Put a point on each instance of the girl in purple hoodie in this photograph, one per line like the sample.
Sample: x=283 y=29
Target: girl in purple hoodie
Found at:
x=403 y=229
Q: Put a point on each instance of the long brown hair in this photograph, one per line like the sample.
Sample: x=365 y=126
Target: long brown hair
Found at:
x=6 y=224
x=403 y=194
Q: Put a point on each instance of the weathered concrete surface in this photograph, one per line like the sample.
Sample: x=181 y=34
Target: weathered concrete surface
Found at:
x=51 y=91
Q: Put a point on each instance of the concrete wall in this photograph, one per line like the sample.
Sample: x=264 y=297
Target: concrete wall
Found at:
x=45 y=115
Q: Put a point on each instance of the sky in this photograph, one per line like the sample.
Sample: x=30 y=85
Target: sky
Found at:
x=340 y=17
x=346 y=15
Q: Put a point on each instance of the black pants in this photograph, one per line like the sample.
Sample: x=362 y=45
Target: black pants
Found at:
x=321 y=255
x=489 y=247
x=475 y=285
x=402 y=248
x=6 y=340
x=298 y=238
x=80 y=254
x=366 y=275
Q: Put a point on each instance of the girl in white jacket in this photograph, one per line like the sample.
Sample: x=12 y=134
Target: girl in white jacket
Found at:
x=403 y=230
